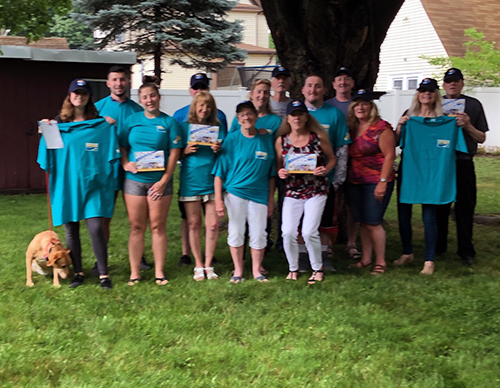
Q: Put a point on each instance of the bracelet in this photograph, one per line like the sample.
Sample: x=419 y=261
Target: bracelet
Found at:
x=383 y=180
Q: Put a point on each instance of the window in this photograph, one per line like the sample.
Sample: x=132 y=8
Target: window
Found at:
x=404 y=81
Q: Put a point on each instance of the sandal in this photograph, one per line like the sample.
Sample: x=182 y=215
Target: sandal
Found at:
x=292 y=275
x=199 y=274
x=317 y=276
x=210 y=274
x=262 y=279
x=378 y=269
x=404 y=259
x=131 y=282
x=236 y=279
x=353 y=252
x=162 y=281
x=359 y=265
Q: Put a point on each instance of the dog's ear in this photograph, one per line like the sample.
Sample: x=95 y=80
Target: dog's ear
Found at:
x=68 y=251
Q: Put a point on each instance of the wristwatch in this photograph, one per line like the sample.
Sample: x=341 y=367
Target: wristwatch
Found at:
x=383 y=180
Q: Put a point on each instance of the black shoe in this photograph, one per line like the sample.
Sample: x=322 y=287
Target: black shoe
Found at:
x=467 y=260
x=106 y=283
x=76 y=282
x=184 y=260
x=304 y=265
x=144 y=265
x=95 y=270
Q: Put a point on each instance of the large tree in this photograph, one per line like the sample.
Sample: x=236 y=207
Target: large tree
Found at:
x=32 y=17
x=194 y=33
x=319 y=36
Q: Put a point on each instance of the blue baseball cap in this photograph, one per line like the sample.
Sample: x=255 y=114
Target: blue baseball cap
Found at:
x=199 y=79
x=294 y=106
x=80 y=84
x=428 y=85
x=364 y=95
x=280 y=70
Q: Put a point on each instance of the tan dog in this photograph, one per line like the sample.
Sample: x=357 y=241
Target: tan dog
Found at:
x=46 y=255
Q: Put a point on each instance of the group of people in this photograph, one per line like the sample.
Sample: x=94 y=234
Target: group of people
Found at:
x=313 y=151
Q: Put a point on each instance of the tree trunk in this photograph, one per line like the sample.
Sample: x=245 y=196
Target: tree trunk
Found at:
x=320 y=36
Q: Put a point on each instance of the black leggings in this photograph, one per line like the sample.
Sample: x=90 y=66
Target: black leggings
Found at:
x=99 y=246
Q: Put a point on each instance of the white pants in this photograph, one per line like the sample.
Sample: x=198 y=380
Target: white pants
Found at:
x=241 y=211
x=312 y=209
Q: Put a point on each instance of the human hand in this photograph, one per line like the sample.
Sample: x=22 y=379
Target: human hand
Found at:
x=216 y=147
x=110 y=120
x=283 y=173
x=463 y=120
x=130 y=167
x=380 y=190
x=320 y=171
x=156 y=191
x=219 y=208
x=403 y=120
x=191 y=148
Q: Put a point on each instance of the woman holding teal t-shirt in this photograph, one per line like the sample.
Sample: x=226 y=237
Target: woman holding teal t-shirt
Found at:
x=246 y=167
x=197 y=183
x=260 y=93
x=150 y=148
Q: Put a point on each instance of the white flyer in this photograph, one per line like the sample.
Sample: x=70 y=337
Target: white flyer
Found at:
x=51 y=134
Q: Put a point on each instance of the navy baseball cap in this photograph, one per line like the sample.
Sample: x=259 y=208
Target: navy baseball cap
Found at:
x=428 y=85
x=280 y=70
x=363 y=94
x=246 y=105
x=199 y=79
x=80 y=84
x=343 y=70
x=453 y=74
x=294 y=106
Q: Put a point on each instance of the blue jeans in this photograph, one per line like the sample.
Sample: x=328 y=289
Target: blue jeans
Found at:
x=430 y=228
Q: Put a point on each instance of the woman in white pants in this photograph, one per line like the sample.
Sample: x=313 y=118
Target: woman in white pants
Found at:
x=246 y=167
x=302 y=137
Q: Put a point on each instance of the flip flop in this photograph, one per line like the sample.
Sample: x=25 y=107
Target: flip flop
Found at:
x=162 y=281
x=131 y=282
x=262 y=279
x=236 y=279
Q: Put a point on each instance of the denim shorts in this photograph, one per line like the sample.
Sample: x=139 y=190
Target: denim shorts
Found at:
x=141 y=188
x=365 y=207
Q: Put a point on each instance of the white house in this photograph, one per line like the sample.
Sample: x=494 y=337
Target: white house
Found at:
x=431 y=28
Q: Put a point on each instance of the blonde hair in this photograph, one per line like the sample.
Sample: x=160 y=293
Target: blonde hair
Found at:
x=67 y=113
x=416 y=106
x=352 y=120
x=206 y=97
x=263 y=81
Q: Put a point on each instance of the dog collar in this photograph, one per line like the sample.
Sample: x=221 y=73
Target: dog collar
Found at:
x=48 y=249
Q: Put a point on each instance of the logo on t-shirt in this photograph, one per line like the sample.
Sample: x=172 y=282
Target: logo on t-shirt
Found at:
x=347 y=136
x=92 y=147
x=261 y=155
x=443 y=143
x=177 y=140
x=326 y=127
x=159 y=128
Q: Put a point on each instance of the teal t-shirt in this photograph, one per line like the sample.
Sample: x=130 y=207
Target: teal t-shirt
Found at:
x=81 y=181
x=196 y=170
x=269 y=122
x=428 y=166
x=142 y=134
x=118 y=111
x=333 y=121
x=246 y=165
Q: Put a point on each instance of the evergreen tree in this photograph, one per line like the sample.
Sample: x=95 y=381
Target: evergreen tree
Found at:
x=194 y=33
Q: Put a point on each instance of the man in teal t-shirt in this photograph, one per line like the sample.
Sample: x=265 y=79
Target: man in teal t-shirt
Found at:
x=118 y=107
x=334 y=122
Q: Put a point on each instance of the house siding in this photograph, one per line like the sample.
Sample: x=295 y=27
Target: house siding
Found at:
x=410 y=36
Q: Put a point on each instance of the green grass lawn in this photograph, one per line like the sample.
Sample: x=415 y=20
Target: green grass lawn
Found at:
x=352 y=330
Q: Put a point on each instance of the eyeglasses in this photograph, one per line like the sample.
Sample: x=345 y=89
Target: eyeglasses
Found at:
x=246 y=114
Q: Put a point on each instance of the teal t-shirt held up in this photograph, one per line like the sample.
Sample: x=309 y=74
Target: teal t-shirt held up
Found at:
x=269 y=122
x=142 y=134
x=196 y=170
x=246 y=165
x=81 y=181
x=428 y=164
x=118 y=111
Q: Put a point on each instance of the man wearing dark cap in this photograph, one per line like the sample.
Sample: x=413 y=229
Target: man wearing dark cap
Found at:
x=199 y=82
x=343 y=83
x=474 y=125
x=118 y=107
x=280 y=83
